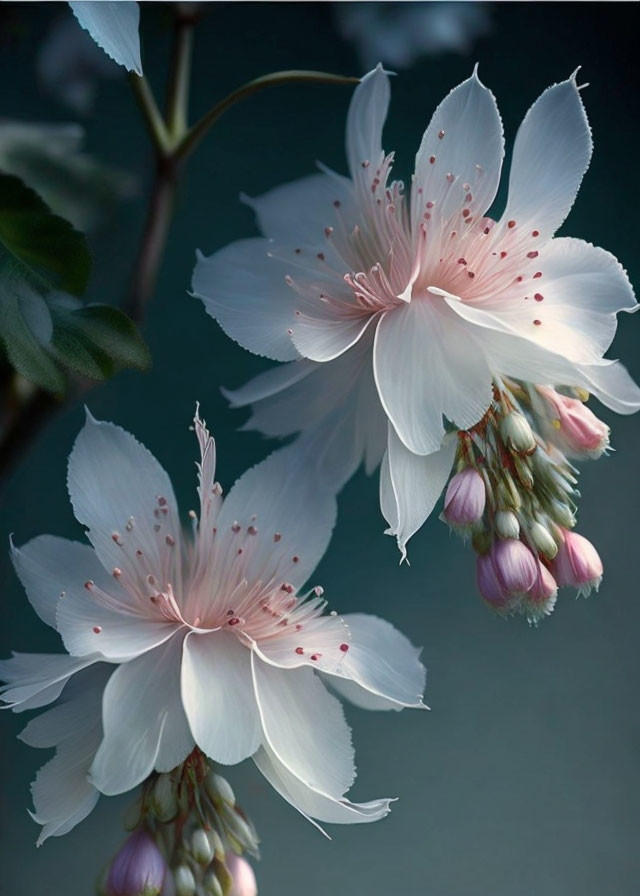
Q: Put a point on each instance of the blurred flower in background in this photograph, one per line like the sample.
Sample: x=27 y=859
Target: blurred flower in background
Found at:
x=70 y=65
x=399 y=34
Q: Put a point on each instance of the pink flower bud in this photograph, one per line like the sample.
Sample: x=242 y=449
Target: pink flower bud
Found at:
x=577 y=563
x=138 y=869
x=541 y=598
x=576 y=429
x=244 y=880
x=507 y=571
x=465 y=498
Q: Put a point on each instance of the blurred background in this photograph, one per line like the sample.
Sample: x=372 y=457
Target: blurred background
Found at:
x=524 y=777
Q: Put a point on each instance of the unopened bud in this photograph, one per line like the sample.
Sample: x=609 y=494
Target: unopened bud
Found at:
x=163 y=799
x=244 y=880
x=465 y=498
x=561 y=514
x=573 y=427
x=523 y=470
x=211 y=885
x=221 y=787
x=543 y=540
x=201 y=848
x=541 y=598
x=138 y=869
x=517 y=433
x=239 y=831
x=577 y=563
x=184 y=881
x=507 y=525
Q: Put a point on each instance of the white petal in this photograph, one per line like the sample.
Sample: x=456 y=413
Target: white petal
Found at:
x=88 y=626
x=284 y=499
x=513 y=355
x=244 y=289
x=298 y=212
x=319 y=643
x=382 y=663
x=367 y=114
x=324 y=339
x=81 y=698
x=114 y=27
x=465 y=139
x=270 y=383
x=312 y=803
x=550 y=156
x=36 y=679
x=427 y=366
x=48 y=566
x=304 y=726
x=62 y=794
x=416 y=482
x=114 y=484
x=217 y=694
x=145 y=727
x=570 y=306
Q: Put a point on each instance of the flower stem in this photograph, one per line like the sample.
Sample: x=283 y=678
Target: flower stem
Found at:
x=201 y=127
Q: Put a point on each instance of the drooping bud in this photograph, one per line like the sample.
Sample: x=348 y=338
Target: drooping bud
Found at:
x=163 y=800
x=211 y=885
x=515 y=565
x=543 y=540
x=244 y=880
x=138 y=869
x=201 y=848
x=489 y=585
x=465 y=498
x=574 y=427
x=562 y=514
x=541 y=598
x=507 y=525
x=517 y=433
x=184 y=881
x=220 y=787
x=577 y=563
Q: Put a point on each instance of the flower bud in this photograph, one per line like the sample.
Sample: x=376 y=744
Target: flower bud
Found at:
x=138 y=869
x=507 y=525
x=515 y=565
x=543 y=540
x=163 y=799
x=577 y=563
x=201 y=848
x=244 y=880
x=211 y=885
x=220 y=787
x=575 y=428
x=517 y=433
x=489 y=585
x=561 y=514
x=541 y=599
x=465 y=498
x=184 y=880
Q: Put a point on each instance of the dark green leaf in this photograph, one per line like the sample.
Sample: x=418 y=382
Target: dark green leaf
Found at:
x=98 y=340
x=47 y=244
x=24 y=352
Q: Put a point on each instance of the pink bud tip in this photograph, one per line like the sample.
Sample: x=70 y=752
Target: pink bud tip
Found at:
x=507 y=571
x=576 y=428
x=465 y=498
x=577 y=563
x=244 y=880
x=138 y=869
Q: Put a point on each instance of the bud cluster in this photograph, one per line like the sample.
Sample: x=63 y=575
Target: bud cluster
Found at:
x=514 y=495
x=188 y=840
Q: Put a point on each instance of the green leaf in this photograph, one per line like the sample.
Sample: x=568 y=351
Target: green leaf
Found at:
x=97 y=341
x=24 y=352
x=47 y=244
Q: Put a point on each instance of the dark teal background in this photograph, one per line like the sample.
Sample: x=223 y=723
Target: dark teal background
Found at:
x=523 y=780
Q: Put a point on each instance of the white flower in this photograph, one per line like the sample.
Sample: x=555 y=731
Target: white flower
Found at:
x=177 y=639
x=400 y=312
x=400 y=34
x=114 y=27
